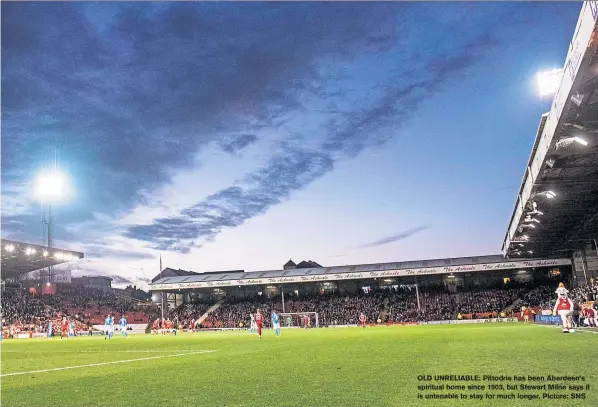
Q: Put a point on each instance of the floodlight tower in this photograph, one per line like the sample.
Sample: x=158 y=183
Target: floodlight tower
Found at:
x=51 y=188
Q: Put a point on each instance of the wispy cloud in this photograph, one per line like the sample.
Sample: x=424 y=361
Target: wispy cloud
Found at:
x=234 y=144
x=337 y=256
x=295 y=167
x=394 y=238
x=292 y=169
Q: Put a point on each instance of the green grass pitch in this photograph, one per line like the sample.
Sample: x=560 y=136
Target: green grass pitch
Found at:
x=376 y=367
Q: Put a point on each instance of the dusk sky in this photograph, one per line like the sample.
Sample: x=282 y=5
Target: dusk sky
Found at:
x=238 y=135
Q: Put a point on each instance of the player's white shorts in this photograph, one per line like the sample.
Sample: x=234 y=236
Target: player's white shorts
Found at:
x=109 y=328
x=565 y=312
x=276 y=326
x=253 y=325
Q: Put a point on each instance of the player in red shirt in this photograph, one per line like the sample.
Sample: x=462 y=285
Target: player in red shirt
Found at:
x=589 y=315
x=305 y=321
x=259 y=320
x=64 y=328
x=362 y=320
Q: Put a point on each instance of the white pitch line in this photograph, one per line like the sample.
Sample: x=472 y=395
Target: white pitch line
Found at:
x=104 y=351
x=128 y=351
x=106 y=363
x=576 y=329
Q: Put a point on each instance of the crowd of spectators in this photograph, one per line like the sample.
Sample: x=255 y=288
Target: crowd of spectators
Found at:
x=581 y=294
x=386 y=305
x=187 y=314
x=29 y=312
x=26 y=311
x=89 y=298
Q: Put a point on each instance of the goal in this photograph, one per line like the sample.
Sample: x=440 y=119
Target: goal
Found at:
x=296 y=320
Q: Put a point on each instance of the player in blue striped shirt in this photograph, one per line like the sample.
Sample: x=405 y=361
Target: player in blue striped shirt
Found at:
x=123 y=326
x=109 y=327
x=276 y=323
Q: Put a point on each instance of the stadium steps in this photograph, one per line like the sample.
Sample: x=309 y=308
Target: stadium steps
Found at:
x=515 y=305
x=207 y=313
x=127 y=298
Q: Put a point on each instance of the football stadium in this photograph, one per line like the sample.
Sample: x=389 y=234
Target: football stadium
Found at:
x=514 y=328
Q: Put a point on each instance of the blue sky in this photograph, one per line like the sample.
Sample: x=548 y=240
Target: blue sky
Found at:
x=237 y=135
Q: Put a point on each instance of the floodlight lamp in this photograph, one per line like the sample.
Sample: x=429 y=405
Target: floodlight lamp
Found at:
x=530 y=251
x=548 y=82
x=51 y=186
x=45 y=253
x=29 y=251
x=48 y=284
x=10 y=248
x=548 y=194
x=567 y=141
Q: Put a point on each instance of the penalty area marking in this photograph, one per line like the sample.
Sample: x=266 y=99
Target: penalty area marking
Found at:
x=107 y=363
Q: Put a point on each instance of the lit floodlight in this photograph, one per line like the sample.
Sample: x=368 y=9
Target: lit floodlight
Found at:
x=548 y=82
x=45 y=253
x=29 y=251
x=530 y=251
x=48 y=284
x=51 y=186
x=10 y=248
x=565 y=142
x=547 y=194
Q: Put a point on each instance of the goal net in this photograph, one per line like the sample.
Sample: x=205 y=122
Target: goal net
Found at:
x=298 y=320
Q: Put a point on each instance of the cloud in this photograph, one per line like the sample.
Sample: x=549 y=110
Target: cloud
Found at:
x=394 y=238
x=296 y=167
x=133 y=95
x=507 y=187
x=336 y=256
x=136 y=100
x=101 y=252
x=291 y=169
x=234 y=144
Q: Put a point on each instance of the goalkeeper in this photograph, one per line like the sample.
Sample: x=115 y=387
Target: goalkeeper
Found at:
x=289 y=322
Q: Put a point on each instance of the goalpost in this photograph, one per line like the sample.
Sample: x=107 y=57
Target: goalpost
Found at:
x=296 y=320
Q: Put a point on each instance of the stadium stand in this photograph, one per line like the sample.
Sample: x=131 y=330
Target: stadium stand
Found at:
x=23 y=311
x=390 y=305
